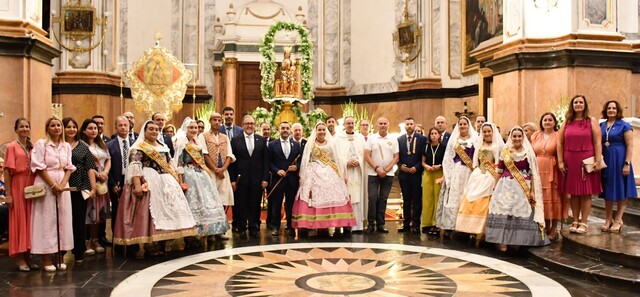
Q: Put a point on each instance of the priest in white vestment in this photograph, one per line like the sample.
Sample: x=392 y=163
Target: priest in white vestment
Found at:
x=350 y=148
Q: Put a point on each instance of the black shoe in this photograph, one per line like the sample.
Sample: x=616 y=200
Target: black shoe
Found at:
x=382 y=229
x=356 y=231
x=104 y=242
x=243 y=235
x=219 y=237
x=291 y=232
x=425 y=229
x=370 y=229
x=274 y=232
x=254 y=234
x=403 y=229
x=346 y=231
x=416 y=231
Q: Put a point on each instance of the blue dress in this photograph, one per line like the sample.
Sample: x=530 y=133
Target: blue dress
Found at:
x=615 y=186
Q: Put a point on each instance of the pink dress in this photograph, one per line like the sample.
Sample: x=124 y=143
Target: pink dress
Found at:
x=17 y=162
x=578 y=145
x=44 y=236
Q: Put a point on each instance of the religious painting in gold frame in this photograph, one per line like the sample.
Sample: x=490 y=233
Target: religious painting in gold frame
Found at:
x=78 y=20
x=158 y=82
x=481 y=20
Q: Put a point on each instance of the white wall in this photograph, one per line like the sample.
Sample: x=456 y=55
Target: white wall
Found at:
x=545 y=22
x=372 y=54
x=145 y=17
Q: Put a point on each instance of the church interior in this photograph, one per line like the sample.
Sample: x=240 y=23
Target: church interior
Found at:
x=507 y=60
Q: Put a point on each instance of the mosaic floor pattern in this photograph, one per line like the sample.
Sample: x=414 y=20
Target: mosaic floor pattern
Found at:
x=337 y=269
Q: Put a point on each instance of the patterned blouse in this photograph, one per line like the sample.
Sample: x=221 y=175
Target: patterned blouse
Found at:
x=138 y=160
x=84 y=161
x=185 y=160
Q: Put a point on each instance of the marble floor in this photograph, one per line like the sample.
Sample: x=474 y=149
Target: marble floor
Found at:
x=379 y=264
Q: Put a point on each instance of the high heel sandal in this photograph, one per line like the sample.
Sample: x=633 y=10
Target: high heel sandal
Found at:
x=606 y=227
x=613 y=228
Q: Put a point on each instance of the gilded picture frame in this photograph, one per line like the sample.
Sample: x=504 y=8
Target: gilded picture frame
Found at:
x=481 y=20
x=78 y=21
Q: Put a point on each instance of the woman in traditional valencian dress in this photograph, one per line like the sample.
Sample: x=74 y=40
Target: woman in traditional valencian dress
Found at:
x=202 y=195
x=516 y=215
x=544 y=143
x=475 y=200
x=98 y=207
x=457 y=165
x=323 y=199
x=153 y=206
x=51 y=161
x=17 y=176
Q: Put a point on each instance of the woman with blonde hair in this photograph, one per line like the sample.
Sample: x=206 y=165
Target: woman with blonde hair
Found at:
x=51 y=161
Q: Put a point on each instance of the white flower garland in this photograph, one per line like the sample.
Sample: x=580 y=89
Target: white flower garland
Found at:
x=268 y=65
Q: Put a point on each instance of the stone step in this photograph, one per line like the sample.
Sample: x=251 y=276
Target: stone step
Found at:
x=555 y=258
x=622 y=249
x=631 y=215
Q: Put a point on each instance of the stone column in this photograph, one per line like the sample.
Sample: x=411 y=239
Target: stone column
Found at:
x=218 y=87
x=230 y=76
x=26 y=56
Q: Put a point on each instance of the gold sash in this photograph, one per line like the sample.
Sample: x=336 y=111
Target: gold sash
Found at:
x=511 y=166
x=152 y=153
x=463 y=156
x=325 y=158
x=488 y=166
x=197 y=156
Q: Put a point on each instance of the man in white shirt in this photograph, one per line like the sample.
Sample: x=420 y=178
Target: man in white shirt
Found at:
x=381 y=153
x=350 y=148
x=364 y=128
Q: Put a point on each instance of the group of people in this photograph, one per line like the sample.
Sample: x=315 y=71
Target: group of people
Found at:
x=166 y=188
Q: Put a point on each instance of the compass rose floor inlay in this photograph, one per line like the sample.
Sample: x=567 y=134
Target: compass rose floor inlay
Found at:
x=337 y=269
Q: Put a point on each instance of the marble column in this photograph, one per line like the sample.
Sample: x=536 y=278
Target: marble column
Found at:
x=26 y=56
x=230 y=76
x=218 y=88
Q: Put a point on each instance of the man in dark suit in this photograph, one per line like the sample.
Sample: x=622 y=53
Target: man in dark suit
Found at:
x=296 y=134
x=249 y=175
x=119 y=150
x=441 y=125
x=229 y=128
x=100 y=122
x=284 y=161
x=163 y=138
x=132 y=121
x=412 y=147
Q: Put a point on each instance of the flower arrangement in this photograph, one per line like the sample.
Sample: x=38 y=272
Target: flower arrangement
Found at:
x=204 y=112
x=268 y=65
x=560 y=111
x=351 y=109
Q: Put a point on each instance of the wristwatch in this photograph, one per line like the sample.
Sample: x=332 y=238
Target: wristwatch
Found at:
x=627 y=163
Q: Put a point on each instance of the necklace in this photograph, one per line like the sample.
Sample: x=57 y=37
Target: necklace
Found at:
x=433 y=154
x=607 y=130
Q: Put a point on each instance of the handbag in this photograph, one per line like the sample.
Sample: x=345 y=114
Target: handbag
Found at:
x=34 y=192
x=101 y=188
x=589 y=165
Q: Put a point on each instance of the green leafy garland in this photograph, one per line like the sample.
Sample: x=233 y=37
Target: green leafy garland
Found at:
x=268 y=65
